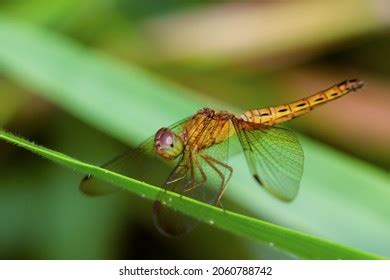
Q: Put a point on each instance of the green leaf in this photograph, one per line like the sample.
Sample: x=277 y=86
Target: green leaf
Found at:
x=299 y=244
x=341 y=198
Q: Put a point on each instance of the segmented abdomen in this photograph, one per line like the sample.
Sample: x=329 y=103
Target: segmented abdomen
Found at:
x=279 y=114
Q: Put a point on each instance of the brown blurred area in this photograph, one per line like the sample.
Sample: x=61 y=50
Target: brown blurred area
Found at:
x=302 y=46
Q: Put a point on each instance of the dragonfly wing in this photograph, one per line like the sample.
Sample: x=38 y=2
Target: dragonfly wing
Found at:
x=125 y=164
x=275 y=158
x=140 y=163
x=202 y=176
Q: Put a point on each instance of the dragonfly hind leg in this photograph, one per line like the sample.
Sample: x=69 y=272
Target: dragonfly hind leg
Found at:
x=213 y=162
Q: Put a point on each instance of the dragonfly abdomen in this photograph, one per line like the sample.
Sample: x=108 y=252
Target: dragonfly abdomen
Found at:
x=279 y=114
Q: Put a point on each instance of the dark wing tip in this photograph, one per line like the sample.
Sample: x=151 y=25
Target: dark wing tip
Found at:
x=258 y=180
x=278 y=195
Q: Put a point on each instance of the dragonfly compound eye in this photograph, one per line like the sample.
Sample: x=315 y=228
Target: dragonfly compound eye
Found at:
x=167 y=144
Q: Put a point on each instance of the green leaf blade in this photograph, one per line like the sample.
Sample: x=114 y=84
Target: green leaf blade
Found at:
x=299 y=244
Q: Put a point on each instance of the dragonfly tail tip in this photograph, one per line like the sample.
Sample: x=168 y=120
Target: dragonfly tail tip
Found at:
x=357 y=84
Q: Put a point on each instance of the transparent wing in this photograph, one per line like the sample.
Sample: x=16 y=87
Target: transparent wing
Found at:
x=140 y=163
x=274 y=156
x=202 y=176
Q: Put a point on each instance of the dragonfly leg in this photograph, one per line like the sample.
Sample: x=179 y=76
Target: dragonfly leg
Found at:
x=191 y=182
x=202 y=173
x=212 y=161
x=180 y=170
x=212 y=165
x=175 y=180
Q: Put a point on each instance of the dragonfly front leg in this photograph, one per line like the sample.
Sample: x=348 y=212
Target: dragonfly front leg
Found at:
x=175 y=180
x=180 y=174
x=212 y=162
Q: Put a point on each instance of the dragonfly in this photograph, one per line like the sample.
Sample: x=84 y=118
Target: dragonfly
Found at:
x=191 y=156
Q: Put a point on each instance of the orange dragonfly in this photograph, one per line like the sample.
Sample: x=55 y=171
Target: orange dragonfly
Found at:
x=197 y=150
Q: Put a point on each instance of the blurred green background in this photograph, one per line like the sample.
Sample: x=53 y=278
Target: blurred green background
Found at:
x=226 y=54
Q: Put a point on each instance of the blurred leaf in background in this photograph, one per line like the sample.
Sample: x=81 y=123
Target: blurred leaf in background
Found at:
x=108 y=63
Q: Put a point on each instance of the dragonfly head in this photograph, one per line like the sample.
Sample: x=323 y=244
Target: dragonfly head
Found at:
x=168 y=144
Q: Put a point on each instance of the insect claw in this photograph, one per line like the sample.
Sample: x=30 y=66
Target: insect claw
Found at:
x=220 y=205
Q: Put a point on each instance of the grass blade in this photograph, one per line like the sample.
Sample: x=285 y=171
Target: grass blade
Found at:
x=299 y=244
